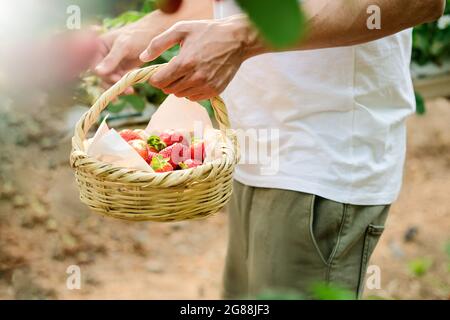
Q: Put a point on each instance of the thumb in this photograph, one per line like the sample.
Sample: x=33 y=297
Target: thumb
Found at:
x=163 y=42
x=112 y=60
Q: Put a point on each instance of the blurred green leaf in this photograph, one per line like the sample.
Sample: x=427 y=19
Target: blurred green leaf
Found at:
x=420 y=104
x=281 y=23
x=124 y=19
x=208 y=107
x=323 y=291
x=274 y=295
x=148 y=6
x=431 y=44
x=116 y=106
x=447 y=249
x=420 y=266
x=135 y=101
x=172 y=52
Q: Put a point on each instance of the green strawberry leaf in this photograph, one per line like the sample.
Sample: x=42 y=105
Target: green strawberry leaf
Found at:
x=183 y=165
x=155 y=142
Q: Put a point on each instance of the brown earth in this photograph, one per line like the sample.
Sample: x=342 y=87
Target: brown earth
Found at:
x=44 y=228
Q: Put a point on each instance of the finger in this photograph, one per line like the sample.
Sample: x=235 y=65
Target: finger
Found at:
x=112 y=78
x=181 y=84
x=186 y=82
x=193 y=91
x=106 y=85
x=161 y=43
x=129 y=90
x=169 y=73
x=199 y=97
x=112 y=60
x=115 y=77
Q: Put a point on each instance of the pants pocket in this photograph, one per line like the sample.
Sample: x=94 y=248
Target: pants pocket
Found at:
x=371 y=237
x=326 y=223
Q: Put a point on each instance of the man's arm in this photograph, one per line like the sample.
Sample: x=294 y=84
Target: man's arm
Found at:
x=120 y=48
x=342 y=23
x=213 y=50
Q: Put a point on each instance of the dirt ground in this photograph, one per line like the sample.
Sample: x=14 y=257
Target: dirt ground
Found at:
x=44 y=228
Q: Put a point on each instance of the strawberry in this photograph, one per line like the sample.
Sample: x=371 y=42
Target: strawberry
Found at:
x=151 y=154
x=176 y=153
x=198 y=150
x=129 y=135
x=189 y=163
x=169 y=137
x=142 y=134
x=161 y=164
x=168 y=6
x=151 y=149
x=141 y=147
x=155 y=143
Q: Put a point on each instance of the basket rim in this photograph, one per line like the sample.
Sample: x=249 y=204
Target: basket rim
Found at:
x=106 y=171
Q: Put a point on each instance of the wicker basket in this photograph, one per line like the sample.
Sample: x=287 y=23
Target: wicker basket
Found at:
x=138 y=195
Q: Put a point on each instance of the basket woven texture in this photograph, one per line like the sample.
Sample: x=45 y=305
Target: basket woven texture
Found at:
x=139 y=195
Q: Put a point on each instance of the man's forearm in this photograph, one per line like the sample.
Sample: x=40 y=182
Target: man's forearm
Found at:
x=336 y=23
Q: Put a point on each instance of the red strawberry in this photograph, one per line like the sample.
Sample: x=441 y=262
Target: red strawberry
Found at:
x=189 y=163
x=198 y=150
x=161 y=164
x=168 y=6
x=142 y=134
x=151 y=149
x=176 y=153
x=129 y=135
x=141 y=147
x=169 y=137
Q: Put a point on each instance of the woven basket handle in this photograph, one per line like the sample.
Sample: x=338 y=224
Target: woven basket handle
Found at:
x=131 y=78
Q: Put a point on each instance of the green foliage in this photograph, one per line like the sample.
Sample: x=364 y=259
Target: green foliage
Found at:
x=281 y=23
x=419 y=267
x=148 y=6
x=447 y=249
x=323 y=291
x=431 y=42
x=420 y=104
x=122 y=20
x=319 y=291
x=133 y=101
x=276 y=295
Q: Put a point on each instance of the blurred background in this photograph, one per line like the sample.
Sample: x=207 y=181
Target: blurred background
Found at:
x=44 y=228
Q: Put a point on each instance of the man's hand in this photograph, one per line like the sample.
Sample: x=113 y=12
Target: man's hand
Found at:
x=211 y=53
x=120 y=48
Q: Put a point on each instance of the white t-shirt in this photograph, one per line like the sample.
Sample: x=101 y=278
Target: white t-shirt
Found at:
x=336 y=117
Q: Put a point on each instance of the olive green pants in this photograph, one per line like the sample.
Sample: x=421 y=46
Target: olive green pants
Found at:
x=287 y=241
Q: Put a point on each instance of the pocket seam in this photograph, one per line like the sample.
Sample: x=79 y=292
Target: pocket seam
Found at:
x=338 y=241
x=371 y=231
x=311 y=233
